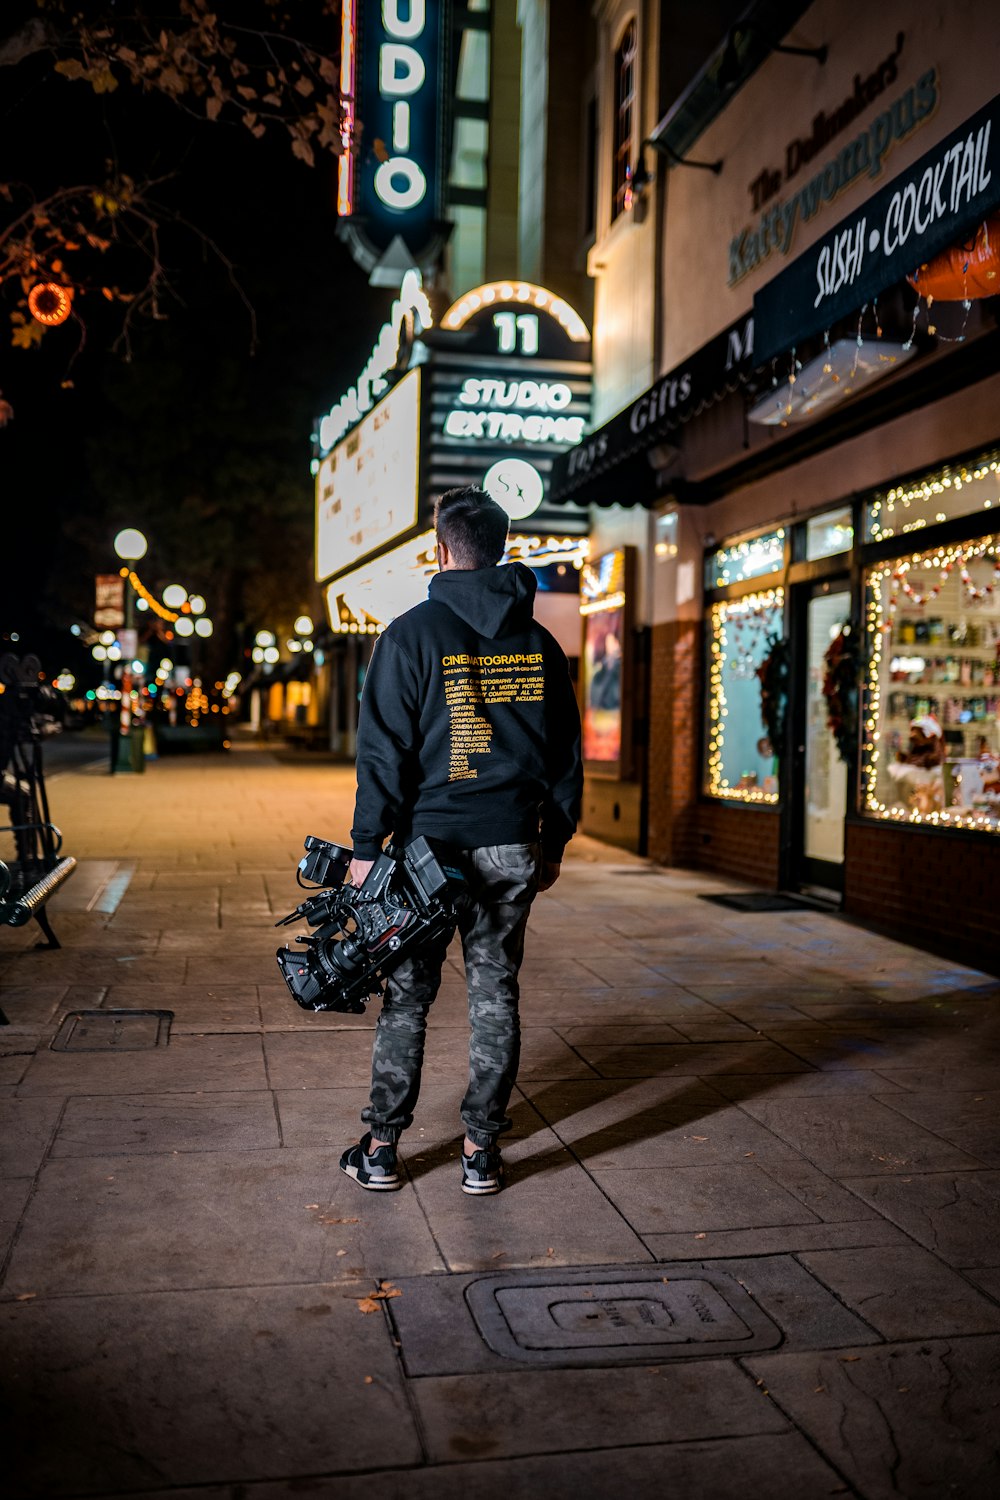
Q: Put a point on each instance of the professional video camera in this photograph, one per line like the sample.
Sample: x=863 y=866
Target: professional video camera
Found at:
x=407 y=900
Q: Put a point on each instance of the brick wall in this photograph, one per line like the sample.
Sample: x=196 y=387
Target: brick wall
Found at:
x=933 y=889
x=743 y=842
x=674 y=740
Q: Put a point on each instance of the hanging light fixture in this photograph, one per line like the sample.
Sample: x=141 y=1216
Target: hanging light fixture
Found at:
x=50 y=303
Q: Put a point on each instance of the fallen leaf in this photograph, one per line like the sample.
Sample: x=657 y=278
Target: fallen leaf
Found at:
x=386 y=1290
x=749 y=1153
x=312 y=1205
x=369 y=1379
x=26 y=1296
x=817 y=1389
x=699 y=1236
x=903 y=1388
x=341 y=1252
x=550 y=1251
x=849 y=1359
x=497 y=1254
x=699 y=1138
x=327 y=1219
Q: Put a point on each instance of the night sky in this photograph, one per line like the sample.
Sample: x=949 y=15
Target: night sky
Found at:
x=198 y=442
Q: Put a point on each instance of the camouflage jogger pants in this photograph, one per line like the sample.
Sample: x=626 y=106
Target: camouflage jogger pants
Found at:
x=503 y=880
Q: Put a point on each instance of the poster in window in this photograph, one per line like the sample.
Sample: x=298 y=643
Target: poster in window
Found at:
x=605 y=666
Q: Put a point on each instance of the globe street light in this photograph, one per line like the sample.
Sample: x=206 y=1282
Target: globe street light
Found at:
x=174 y=595
x=130 y=544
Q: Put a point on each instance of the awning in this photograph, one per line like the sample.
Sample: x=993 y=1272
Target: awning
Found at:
x=936 y=203
x=623 y=444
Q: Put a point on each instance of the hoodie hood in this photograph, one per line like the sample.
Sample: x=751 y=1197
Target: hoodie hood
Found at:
x=494 y=601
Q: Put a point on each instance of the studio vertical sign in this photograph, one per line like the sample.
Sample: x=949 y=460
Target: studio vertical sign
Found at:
x=390 y=183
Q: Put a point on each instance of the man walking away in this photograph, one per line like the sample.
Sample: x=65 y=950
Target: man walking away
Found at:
x=468 y=733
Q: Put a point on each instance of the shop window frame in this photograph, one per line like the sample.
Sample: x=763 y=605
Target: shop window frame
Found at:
x=777 y=578
x=871 y=555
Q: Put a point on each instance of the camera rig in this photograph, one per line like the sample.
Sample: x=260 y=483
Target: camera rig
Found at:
x=408 y=899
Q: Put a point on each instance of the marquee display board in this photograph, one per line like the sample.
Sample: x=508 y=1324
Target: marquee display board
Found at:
x=508 y=388
x=367 y=486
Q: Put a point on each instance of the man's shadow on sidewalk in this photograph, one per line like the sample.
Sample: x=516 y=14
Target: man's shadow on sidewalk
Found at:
x=701 y=1098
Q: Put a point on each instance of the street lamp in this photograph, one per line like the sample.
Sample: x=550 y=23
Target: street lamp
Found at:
x=130 y=545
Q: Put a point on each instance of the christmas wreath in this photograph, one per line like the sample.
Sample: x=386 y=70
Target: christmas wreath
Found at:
x=773 y=674
x=840 y=689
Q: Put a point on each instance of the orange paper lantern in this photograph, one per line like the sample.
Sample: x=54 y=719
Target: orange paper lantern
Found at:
x=964 y=272
x=50 y=303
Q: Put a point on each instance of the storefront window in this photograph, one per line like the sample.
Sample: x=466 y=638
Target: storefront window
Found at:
x=830 y=533
x=932 y=738
x=741 y=759
x=955 y=490
x=744 y=560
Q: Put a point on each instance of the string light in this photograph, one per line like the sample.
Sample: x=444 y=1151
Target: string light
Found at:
x=744 y=560
x=884 y=511
x=517 y=291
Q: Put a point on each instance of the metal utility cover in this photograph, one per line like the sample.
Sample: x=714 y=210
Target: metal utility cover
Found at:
x=619 y=1316
x=112 y=1030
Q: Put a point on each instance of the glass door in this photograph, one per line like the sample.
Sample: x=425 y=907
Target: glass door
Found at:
x=821 y=775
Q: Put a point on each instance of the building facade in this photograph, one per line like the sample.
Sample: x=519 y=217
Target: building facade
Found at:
x=804 y=479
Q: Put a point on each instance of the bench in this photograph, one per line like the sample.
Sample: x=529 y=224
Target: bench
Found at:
x=28 y=714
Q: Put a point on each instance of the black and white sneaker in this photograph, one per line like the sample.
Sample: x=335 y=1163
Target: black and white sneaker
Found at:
x=376 y=1170
x=482 y=1172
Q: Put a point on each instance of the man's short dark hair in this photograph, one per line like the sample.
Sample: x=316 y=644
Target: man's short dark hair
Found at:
x=472 y=526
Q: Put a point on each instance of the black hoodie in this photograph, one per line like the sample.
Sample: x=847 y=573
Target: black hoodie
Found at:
x=469 y=729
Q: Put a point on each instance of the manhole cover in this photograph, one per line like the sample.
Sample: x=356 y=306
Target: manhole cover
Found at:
x=760 y=901
x=112 y=1030
x=544 y=1318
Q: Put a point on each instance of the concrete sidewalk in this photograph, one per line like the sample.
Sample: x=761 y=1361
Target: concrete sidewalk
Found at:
x=750 y=1243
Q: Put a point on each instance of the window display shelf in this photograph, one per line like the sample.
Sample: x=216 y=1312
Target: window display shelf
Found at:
x=954 y=689
x=946 y=648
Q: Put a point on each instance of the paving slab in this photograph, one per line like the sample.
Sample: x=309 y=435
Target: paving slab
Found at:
x=111 y=1223
x=867 y=1137
x=541 y=1411
x=26 y=1130
x=30 y=1005
x=228 y=1064
x=955 y=1214
x=209 y=1407
x=635 y=1060
x=640 y=1128
x=968 y=1121
x=904 y=1292
x=804 y=1085
x=699 y=1199
x=553 y=1212
x=914 y=1419
x=133 y=1124
x=723 y=1243
x=773 y=1465
x=14 y=1195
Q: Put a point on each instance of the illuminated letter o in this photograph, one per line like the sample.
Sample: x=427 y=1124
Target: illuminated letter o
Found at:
x=394 y=197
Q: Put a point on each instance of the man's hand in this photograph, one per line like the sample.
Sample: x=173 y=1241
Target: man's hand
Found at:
x=359 y=869
x=549 y=874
